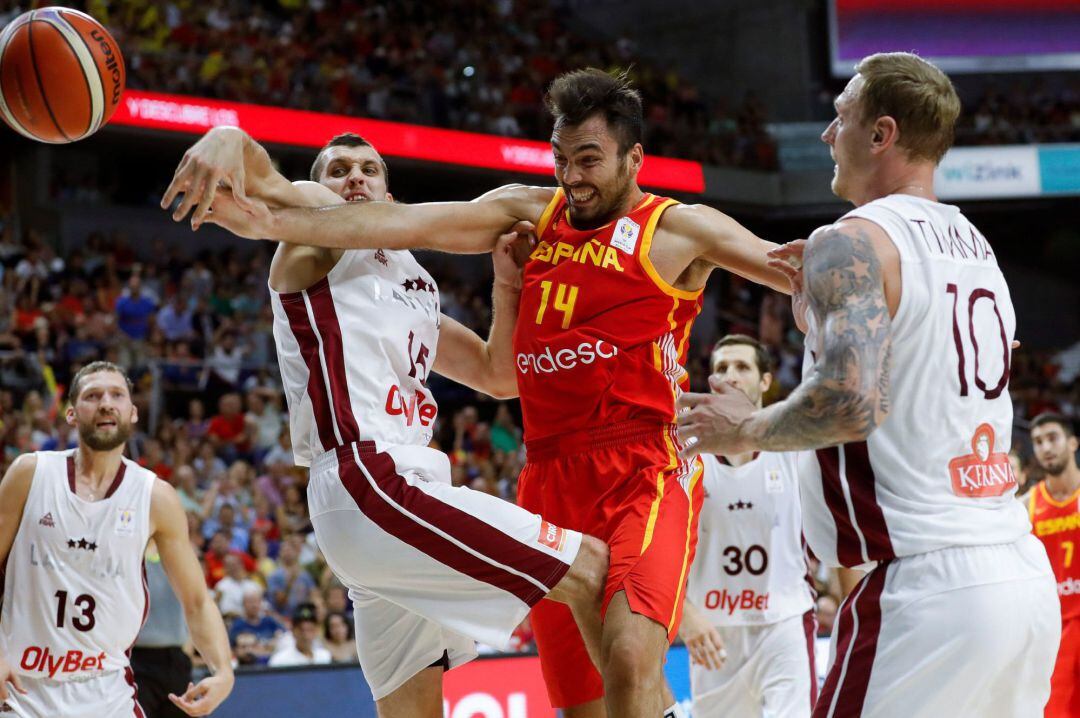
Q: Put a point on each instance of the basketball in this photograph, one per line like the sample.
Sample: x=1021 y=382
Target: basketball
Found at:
x=61 y=75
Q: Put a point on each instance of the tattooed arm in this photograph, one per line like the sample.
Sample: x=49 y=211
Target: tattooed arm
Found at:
x=846 y=395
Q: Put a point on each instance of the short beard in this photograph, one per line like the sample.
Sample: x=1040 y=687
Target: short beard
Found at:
x=1057 y=469
x=88 y=435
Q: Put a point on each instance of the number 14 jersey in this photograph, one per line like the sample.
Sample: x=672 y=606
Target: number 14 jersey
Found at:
x=936 y=472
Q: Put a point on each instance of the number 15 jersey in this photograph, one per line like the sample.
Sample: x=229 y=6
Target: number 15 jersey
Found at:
x=936 y=472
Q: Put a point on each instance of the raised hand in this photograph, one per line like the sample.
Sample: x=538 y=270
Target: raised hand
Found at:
x=251 y=222
x=711 y=423
x=511 y=252
x=787 y=258
x=215 y=161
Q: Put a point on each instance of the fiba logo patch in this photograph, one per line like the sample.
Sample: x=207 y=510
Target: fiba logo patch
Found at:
x=125 y=522
x=551 y=536
x=625 y=235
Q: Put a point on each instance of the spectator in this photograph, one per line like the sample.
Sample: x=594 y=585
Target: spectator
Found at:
x=134 y=310
x=246 y=650
x=290 y=585
x=230 y=590
x=254 y=619
x=338 y=638
x=227 y=523
x=227 y=428
x=306 y=651
x=215 y=558
x=175 y=319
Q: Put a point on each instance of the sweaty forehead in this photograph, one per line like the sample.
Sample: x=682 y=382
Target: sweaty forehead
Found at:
x=102 y=380
x=593 y=133
x=352 y=155
x=846 y=99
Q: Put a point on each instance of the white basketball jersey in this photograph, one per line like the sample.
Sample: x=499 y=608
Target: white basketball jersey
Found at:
x=750 y=566
x=74 y=591
x=355 y=350
x=936 y=472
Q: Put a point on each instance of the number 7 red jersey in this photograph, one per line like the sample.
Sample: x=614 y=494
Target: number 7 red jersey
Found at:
x=1057 y=525
x=600 y=336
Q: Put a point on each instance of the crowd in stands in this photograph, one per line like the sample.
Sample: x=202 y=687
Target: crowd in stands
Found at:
x=195 y=335
x=1025 y=113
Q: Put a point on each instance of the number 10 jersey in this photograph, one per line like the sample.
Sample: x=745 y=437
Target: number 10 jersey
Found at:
x=936 y=472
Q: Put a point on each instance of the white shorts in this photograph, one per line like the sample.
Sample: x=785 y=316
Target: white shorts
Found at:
x=430 y=567
x=769 y=672
x=109 y=694
x=959 y=632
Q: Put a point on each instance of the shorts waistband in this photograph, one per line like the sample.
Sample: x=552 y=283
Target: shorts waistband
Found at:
x=601 y=437
x=342 y=453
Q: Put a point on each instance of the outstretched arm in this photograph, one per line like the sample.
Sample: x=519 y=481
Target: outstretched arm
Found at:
x=226 y=156
x=169 y=532
x=846 y=395
x=465 y=357
x=721 y=241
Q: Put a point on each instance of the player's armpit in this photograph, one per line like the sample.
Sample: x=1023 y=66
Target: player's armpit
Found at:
x=14 y=488
x=723 y=242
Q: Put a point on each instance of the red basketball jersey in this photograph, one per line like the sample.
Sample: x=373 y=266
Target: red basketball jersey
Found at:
x=600 y=337
x=1057 y=525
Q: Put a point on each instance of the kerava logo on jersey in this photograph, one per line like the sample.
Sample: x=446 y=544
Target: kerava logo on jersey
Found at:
x=983 y=472
x=545 y=362
x=551 y=536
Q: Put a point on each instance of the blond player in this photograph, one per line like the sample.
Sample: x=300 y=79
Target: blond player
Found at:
x=905 y=402
x=74 y=526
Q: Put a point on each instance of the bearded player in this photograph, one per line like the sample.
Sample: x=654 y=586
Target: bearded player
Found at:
x=606 y=307
x=1055 y=515
x=748 y=621
x=74 y=526
x=904 y=401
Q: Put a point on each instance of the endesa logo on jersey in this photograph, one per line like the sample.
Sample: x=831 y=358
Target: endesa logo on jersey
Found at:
x=548 y=362
x=1069 y=587
x=36 y=658
x=416 y=408
x=983 y=472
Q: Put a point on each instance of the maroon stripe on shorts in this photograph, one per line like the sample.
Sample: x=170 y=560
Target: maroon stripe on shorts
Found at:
x=393 y=516
x=848 y=545
x=129 y=676
x=296 y=311
x=809 y=622
x=847 y=688
x=329 y=329
x=868 y=514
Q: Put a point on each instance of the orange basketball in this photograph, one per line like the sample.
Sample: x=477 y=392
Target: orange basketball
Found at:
x=61 y=75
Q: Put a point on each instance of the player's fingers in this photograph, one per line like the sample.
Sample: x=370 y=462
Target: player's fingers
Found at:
x=689 y=400
x=523 y=227
x=236 y=181
x=691 y=445
x=783 y=267
x=179 y=181
x=17 y=683
x=1015 y=344
x=191 y=196
x=206 y=200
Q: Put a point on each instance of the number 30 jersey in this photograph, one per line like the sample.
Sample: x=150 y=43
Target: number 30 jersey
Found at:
x=600 y=337
x=750 y=567
x=936 y=472
x=74 y=588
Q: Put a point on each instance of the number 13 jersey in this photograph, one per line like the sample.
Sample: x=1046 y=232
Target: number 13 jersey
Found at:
x=74 y=588
x=936 y=472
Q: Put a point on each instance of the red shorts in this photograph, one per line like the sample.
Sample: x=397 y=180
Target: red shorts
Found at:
x=623 y=484
x=1065 y=683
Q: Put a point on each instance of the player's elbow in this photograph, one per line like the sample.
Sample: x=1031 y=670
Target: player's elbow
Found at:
x=502 y=388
